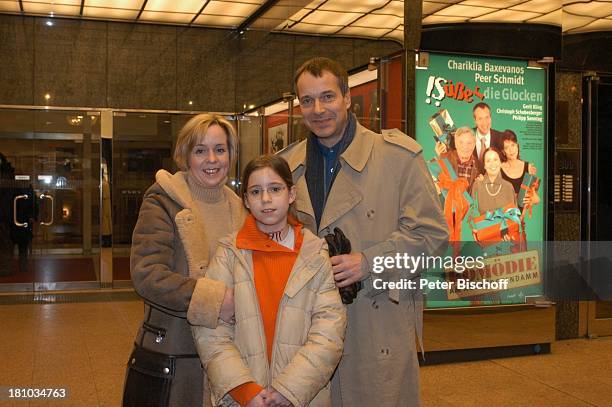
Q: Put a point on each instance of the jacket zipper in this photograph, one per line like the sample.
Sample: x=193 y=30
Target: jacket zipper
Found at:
x=281 y=307
x=262 y=335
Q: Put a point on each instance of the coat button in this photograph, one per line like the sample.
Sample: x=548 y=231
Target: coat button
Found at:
x=133 y=360
x=374 y=305
x=370 y=214
x=166 y=370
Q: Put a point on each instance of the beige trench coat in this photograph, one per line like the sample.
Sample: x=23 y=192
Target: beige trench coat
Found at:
x=309 y=333
x=384 y=200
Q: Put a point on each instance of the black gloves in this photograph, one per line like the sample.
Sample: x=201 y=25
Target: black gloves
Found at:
x=339 y=244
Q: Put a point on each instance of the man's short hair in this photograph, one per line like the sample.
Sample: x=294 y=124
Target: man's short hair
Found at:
x=464 y=130
x=317 y=65
x=481 y=105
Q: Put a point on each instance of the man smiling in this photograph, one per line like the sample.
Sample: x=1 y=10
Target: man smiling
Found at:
x=376 y=188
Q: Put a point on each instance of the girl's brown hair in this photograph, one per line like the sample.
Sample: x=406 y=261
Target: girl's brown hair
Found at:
x=276 y=164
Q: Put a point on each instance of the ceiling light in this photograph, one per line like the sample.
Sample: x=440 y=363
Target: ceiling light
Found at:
x=47 y=96
x=49 y=23
x=74 y=120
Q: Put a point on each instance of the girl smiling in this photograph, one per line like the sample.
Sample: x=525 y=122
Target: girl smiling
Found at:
x=290 y=321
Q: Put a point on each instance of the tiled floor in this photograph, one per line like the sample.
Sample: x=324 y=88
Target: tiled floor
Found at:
x=84 y=346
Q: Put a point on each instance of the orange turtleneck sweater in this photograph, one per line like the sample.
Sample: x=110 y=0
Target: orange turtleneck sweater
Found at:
x=272 y=265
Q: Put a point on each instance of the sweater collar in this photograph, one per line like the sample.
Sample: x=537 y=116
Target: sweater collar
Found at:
x=203 y=193
x=251 y=238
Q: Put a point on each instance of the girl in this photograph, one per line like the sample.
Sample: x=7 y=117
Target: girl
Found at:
x=289 y=323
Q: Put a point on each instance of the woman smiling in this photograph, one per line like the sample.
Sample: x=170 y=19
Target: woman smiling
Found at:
x=181 y=217
x=492 y=191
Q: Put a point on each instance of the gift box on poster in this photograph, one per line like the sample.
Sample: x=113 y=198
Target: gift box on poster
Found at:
x=454 y=191
x=443 y=126
x=443 y=173
x=492 y=226
x=529 y=182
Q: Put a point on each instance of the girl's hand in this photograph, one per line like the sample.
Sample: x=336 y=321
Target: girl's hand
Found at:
x=480 y=177
x=259 y=400
x=227 y=307
x=275 y=399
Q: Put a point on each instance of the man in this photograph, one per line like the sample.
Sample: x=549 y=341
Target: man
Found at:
x=462 y=158
x=485 y=135
x=377 y=189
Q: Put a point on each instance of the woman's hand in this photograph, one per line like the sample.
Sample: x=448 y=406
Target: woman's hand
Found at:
x=480 y=177
x=531 y=169
x=275 y=399
x=227 y=307
x=531 y=198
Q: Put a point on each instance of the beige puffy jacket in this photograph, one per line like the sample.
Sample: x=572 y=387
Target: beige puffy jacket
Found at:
x=309 y=330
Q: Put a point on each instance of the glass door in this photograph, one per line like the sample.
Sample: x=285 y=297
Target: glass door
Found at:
x=598 y=217
x=49 y=200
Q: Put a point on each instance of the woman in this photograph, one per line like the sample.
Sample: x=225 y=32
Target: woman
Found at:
x=491 y=191
x=290 y=320
x=514 y=169
x=180 y=220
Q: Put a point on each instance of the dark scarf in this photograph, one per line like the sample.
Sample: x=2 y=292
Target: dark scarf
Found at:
x=315 y=167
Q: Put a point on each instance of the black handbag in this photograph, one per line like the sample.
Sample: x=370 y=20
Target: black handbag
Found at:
x=149 y=378
x=338 y=243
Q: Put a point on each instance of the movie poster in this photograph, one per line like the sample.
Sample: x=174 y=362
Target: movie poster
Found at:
x=275 y=132
x=277 y=138
x=482 y=125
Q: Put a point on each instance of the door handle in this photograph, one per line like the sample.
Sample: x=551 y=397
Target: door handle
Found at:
x=18 y=197
x=49 y=197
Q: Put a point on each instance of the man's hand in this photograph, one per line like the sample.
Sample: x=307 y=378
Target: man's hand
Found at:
x=227 y=307
x=276 y=399
x=259 y=400
x=440 y=148
x=347 y=269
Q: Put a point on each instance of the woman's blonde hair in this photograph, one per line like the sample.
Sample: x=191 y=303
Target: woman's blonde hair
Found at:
x=196 y=128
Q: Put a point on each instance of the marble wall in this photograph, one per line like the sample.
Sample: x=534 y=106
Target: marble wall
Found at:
x=145 y=66
x=567 y=224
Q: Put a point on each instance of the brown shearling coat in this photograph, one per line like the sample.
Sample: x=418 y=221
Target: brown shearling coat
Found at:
x=168 y=262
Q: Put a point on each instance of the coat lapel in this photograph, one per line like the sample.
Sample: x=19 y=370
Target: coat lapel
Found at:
x=303 y=204
x=190 y=230
x=343 y=197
